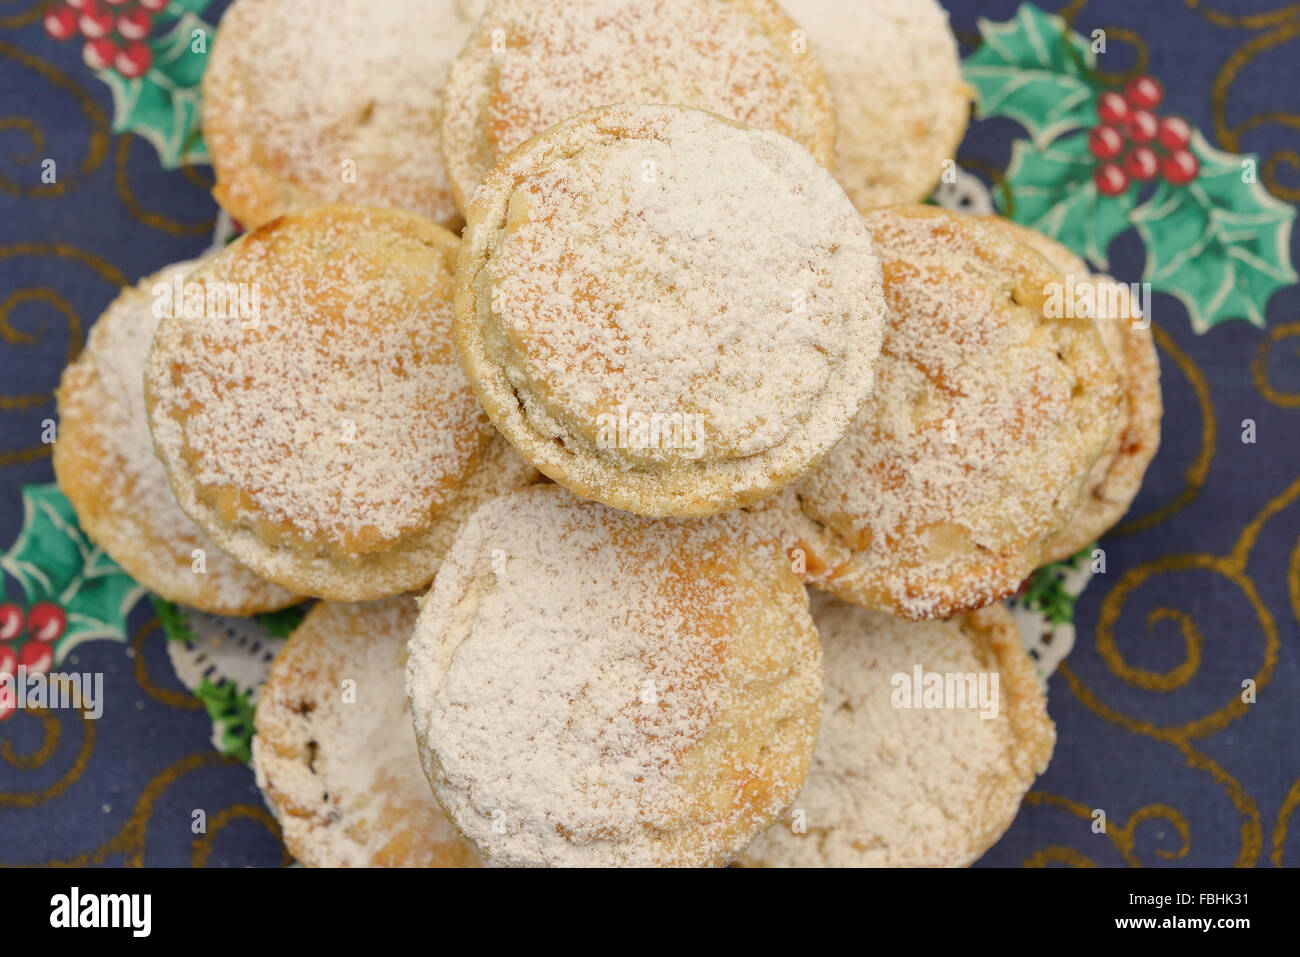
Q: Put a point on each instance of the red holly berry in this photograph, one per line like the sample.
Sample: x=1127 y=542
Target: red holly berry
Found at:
x=135 y=24
x=99 y=54
x=1144 y=93
x=1110 y=179
x=1180 y=167
x=1142 y=164
x=1175 y=133
x=1143 y=126
x=94 y=22
x=1105 y=142
x=8 y=661
x=1113 y=109
x=37 y=657
x=47 y=621
x=81 y=4
x=61 y=22
x=154 y=6
x=116 y=3
x=11 y=621
x=134 y=61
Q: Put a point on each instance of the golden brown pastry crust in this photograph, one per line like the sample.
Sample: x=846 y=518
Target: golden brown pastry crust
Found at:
x=970 y=454
x=332 y=442
x=293 y=94
x=1116 y=478
x=594 y=688
x=893 y=787
x=900 y=101
x=105 y=464
x=533 y=63
x=334 y=752
x=586 y=289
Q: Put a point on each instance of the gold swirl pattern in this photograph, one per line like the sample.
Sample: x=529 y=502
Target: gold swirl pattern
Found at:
x=75 y=327
x=1255 y=21
x=1285 y=26
x=96 y=149
x=1123 y=836
x=1057 y=854
x=65 y=781
x=1233 y=568
x=173 y=699
x=1283 y=820
x=149 y=218
x=35 y=13
x=251 y=812
x=1199 y=470
x=1153 y=680
x=1259 y=366
x=51 y=730
x=130 y=840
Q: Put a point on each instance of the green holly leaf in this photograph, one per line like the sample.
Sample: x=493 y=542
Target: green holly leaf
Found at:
x=1047 y=593
x=1052 y=190
x=1220 y=245
x=178 y=8
x=54 y=561
x=1037 y=71
x=163 y=105
x=231 y=711
x=175 y=622
x=280 y=624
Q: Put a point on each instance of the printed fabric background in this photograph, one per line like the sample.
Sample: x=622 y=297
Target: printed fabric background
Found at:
x=1178 y=706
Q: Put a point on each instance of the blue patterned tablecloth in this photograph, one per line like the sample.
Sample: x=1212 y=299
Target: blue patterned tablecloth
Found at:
x=1201 y=593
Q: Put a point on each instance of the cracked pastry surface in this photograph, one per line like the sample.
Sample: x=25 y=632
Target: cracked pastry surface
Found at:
x=1116 y=478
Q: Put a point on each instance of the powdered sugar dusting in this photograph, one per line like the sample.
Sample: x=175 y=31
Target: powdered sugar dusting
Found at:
x=342 y=418
x=106 y=465
x=984 y=421
x=900 y=99
x=1116 y=477
x=661 y=259
x=297 y=90
x=334 y=750
x=533 y=63
x=892 y=787
x=596 y=688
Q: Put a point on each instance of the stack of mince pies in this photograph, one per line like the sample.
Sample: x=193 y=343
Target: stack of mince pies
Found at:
x=594 y=369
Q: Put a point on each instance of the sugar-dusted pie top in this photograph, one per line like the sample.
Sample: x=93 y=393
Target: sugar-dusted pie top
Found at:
x=595 y=688
x=308 y=103
x=338 y=418
x=663 y=260
x=532 y=63
x=986 y=417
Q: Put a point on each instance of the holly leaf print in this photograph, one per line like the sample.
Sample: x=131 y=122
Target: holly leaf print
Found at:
x=1036 y=71
x=1218 y=244
x=54 y=561
x=178 y=8
x=163 y=104
x=231 y=712
x=1052 y=190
